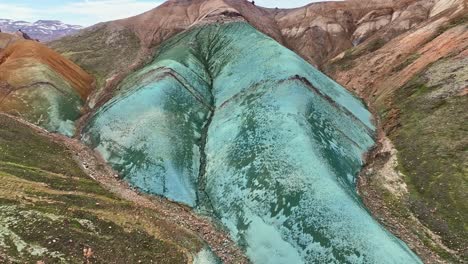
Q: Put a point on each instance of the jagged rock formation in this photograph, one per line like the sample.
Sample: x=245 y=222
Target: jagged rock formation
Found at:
x=23 y=35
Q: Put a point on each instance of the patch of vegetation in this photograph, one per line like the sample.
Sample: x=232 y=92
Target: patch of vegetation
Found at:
x=375 y=44
x=343 y=64
x=51 y=211
x=66 y=237
x=21 y=145
x=350 y=55
x=432 y=145
x=409 y=60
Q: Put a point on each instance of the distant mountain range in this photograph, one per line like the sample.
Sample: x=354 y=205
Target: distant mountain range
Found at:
x=43 y=30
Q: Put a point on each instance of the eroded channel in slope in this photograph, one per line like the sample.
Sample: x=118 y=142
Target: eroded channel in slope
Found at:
x=270 y=142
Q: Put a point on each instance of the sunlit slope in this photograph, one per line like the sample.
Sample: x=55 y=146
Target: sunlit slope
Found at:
x=41 y=86
x=227 y=119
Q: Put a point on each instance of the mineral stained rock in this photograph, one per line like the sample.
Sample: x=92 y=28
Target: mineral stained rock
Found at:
x=227 y=119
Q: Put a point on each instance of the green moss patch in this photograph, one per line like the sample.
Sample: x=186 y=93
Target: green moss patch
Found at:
x=20 y=145
x=409 y=60
x=432 y=144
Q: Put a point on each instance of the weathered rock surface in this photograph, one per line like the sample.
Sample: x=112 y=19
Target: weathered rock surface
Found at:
x=406 y=58
x=415 y=83
x=228 y=120
x=41 y=86
x=318 y=32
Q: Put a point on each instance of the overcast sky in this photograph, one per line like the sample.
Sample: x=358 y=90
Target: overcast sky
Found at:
x=89 y=12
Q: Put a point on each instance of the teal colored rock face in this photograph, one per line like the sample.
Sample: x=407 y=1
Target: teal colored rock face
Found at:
x=48 y=107
x=53 y=105
x=227 y=119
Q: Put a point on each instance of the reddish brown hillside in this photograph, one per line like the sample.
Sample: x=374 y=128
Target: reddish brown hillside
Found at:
x=17 y=56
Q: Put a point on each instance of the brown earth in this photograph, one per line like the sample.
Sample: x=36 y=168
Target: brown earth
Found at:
x=6 y=39
x=373 y=75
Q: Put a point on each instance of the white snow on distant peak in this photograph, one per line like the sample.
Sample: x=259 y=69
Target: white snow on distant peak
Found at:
x=44 y=30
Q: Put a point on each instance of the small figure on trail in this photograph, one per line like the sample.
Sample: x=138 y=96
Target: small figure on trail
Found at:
x=253 y=2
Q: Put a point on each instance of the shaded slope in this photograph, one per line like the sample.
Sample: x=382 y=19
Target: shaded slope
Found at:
x=417 y=85
x=42 y=86
x=283 y=145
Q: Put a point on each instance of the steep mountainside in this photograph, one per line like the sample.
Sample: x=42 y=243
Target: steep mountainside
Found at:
x=201 y=102
x=216 y=122
x=417 y=83
x=318 y=32
x=43 y=30
x=41 y=86
x=53 y=212
x=373 y=48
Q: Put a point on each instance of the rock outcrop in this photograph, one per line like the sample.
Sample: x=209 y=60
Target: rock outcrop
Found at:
x=414 y=81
